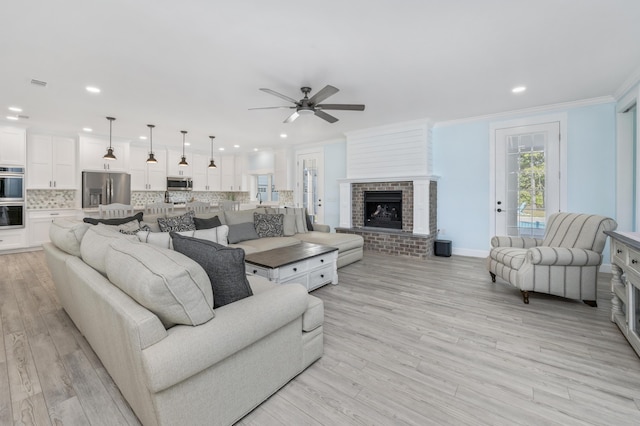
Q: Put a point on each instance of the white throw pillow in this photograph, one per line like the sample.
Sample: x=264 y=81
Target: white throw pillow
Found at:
x=95 y=243
x=67 y=235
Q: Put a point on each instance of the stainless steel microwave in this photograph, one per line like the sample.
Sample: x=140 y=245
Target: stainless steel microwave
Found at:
x=179 y=183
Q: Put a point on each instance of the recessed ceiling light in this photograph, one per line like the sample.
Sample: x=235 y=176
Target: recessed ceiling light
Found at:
x=144 y=138
x=221 y=149
x=15 y=109
x=283 y=135
x=518 y=89
x=12 y=117
x=236 y=146
x=187 y=144
x=93 y=89
x=255 y=149
x=87 y=129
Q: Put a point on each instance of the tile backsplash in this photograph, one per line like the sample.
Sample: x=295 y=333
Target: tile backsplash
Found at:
x=41 y=199
x=141 y=198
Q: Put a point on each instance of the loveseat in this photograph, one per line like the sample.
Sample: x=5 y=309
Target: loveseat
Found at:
x=296 y=227
x=148 y=313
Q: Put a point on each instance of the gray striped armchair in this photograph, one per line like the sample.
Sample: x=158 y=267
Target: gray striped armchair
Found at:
x=565 y=263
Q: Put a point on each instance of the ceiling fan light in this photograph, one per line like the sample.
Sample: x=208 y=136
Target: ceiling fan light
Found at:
x=306 y=111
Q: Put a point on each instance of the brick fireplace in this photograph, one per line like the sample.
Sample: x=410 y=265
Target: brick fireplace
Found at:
x=401 y=242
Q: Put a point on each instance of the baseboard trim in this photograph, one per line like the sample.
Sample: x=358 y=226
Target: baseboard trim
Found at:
x=470 y=252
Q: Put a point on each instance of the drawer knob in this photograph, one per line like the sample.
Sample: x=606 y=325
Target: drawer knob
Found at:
x=255 y=271
x=321 y=260
x=321 y=275
x=618 y=251
x=634 y=261
x=295 y=269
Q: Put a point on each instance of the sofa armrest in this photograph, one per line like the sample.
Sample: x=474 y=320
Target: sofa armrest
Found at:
x=188 y=350
x=321 y=228
x=517 y=242
x=562 y=256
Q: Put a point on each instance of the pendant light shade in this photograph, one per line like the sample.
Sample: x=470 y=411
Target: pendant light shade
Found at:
x=152 y=158
x=183 y=161
x=109 y=155
x=212 y=164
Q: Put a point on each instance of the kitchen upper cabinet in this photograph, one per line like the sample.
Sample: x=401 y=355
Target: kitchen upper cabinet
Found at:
x=51 y=162
x=12 y=146
x=147 y=176
x=173 y=169
x=92 y=149
x=204 y=178
x=233 y=173
x=240 y=173
x=283 y=175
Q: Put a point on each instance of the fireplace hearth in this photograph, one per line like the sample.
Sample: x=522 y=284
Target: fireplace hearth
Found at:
x=383 y=209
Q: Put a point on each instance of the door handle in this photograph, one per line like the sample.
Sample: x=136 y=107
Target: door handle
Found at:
x=498 y=210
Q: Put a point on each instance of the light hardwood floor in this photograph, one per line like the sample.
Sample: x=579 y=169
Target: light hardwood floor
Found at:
x=406 y=342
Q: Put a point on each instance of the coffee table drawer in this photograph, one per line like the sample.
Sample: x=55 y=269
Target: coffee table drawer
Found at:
x=318 y=261
x=320 y=277
x=293 y=269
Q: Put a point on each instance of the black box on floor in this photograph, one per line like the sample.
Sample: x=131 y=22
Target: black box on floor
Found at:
x=442 y=248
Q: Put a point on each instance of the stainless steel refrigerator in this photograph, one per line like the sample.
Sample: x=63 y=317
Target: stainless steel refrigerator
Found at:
x=105 y=188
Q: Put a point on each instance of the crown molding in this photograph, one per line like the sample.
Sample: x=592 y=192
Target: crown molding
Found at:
x=530 y=111
x=628 y=84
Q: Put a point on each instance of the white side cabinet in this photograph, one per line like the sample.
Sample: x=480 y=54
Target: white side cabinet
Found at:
x=204 y=178
x=12 y=146
x=51 y=162
x=92 y=149
x=38 y=222
x=146 y=176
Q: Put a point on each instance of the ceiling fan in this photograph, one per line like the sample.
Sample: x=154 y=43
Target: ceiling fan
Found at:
x=312 y=105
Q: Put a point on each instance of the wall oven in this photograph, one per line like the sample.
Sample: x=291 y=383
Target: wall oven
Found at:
x=11 y=184
x=12 y=205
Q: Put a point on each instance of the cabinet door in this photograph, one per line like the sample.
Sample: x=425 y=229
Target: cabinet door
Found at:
x=64 y=163
x=39 y=167
x=39 y=223
x=157 y=173
x=138 y=168
x=173 y=169
x=93 y=149
x=214 y=175
x=240 y=173
x=13 y=146
x=200 y=176
x=227 y=170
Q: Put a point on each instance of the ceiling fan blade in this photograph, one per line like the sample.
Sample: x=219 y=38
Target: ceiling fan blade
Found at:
x=280 y=95
x=343 y=107
x=325 y=116
x=292 y=117
x=323 y=94
x=275 y=107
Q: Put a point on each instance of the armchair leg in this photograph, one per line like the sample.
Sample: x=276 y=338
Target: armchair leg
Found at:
x=525 y=296
x=591 y=303
x=493 y=277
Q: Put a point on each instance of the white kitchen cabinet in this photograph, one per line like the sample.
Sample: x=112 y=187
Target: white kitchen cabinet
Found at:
x=51 y=162
x=284 y=171
x=92 y=149
x=204 y=178
x=240 y=173
x=146 y=176
x=12 y=146
x=39 y=221
x=12 y=239
x=173 y=169
x=233 y=173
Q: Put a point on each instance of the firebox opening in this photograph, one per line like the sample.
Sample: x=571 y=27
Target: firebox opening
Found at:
x=383 y=209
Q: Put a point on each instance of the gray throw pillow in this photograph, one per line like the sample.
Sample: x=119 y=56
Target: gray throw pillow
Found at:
x=212 y=222
x=113 y=221
x=288 y=225
x=242 y=232
x=177 y=223
x=224 y=266
x=268 y=225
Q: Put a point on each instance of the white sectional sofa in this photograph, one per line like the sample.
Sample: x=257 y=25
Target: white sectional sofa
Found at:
x=212 y=371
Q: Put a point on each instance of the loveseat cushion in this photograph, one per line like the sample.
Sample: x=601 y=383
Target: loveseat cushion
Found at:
x=67 y=234
x=224 y=266
x=172 y=286
x=95 y=243
x=512 y=257
x=342 y=242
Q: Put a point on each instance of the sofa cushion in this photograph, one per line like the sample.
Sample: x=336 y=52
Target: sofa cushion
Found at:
x=513 y=257
x=114 y=221
x=234 y=217
x=177 y=223
x=224 y=266
x=163 y=239
x=96 y=242
x=242 y=232
x=170 y=285
x=342 y=242
x=207 y=223
x=288 y=225
x=268 y=225
x=67 y=234
x=313 y=317
x=268 y=243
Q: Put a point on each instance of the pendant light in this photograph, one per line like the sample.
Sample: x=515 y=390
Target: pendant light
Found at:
x=152 y=158
x=212 y=164
x=183 y=162
x=109 y=155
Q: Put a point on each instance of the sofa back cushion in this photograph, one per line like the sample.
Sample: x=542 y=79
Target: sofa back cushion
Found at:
x=172 y=286
x=234 y=217
x=95 y=243
x=67 y=234
x=163 y=239
x=224 y=266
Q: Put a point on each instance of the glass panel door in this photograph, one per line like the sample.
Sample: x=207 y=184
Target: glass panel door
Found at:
x=311 y=185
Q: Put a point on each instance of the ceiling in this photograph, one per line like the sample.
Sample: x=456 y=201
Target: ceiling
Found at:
x=197 y=65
